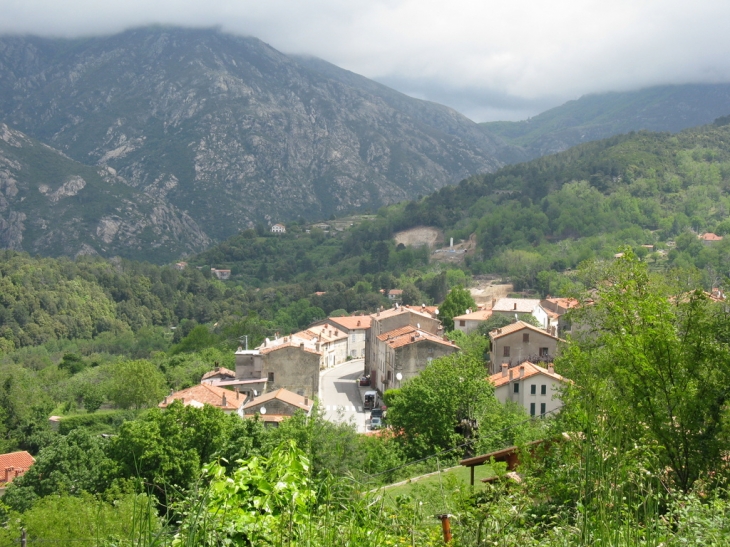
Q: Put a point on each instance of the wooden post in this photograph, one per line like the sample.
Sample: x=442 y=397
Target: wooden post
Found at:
x=23 y=541
x=445 y=527
x=472 y=475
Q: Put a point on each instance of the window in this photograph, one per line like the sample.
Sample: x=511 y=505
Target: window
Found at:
x=532 y=409
x=543 y=389
x=525 y=337
x=506 y=351
x=543 y=352
x=462 y=323
x=533 y=389
x=271 y=376
x=516 y=388
x=542 y=409
x=390 y=375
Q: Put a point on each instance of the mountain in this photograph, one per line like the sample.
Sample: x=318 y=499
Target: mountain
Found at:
x=53 y=205
x=232 y=132
x=594 y=117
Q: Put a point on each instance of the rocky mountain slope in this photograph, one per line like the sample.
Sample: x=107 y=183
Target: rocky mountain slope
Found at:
x=231 y=131
x=52 y=205
x=594 y=117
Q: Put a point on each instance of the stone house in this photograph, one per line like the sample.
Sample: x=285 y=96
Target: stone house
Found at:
x=531 y=386
x=520 y=342
x=356 y=327
x=207 y=394
x=275 y=406
x=278 y=229
x=217 y=375
x=470 y=321
x=288 y=363
x=405 y=352
x=221 y=274
x=329 y=340
x=395 y=295
x=391 y=319
x=551 y=314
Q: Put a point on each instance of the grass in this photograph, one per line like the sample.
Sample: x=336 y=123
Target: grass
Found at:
x=455 y=477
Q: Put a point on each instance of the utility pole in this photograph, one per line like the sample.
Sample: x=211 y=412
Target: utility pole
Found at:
x=23 y=541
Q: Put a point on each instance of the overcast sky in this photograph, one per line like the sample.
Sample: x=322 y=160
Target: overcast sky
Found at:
x=490 y=60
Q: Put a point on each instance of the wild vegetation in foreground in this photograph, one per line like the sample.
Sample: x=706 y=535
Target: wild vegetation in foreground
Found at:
x=638 y=455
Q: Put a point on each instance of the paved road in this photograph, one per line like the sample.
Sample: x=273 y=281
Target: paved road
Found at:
x=340 y=396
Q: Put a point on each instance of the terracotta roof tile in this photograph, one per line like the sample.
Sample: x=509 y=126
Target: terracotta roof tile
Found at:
x=479 y=315
x=530 y=369
x=284 y=395
x=709 y=236
x=410 y=335
x=353 y=322
x=518 y=326
x=18 y=461
x=222 y=371
x=205 y=394
x=392 y=312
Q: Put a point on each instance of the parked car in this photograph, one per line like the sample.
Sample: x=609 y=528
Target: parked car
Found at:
x=376 y=413
x=364 y=380
x=376 y=423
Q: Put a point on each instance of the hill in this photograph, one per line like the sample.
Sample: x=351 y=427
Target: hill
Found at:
x=231 y=131
x=598 y=116
x=53 y=205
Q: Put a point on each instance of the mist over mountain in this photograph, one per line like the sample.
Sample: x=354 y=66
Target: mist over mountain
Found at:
x=232 y=132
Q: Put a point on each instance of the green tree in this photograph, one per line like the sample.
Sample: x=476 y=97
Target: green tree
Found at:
x=654 y=369
x=136 y=384
x=452 y=393
x=456 y=303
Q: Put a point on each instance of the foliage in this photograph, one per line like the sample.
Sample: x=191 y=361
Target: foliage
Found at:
x=654 y=369
x=136 y=384
x=451 y=392
x=457 y=302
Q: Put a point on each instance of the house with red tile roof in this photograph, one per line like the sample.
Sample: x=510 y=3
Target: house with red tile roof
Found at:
x=531 y=386
x=357 y=328
x=709 y=238
x=289 y=362
x=206 y=394
x=520 y=342
x=275 y=406
x=403 y=353
x=551 y=314
x=12 y=466
x=388 y=320
x=217 y=375
x=471 y=320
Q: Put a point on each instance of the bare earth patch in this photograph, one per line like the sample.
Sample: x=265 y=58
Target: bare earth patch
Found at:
x=420 y=236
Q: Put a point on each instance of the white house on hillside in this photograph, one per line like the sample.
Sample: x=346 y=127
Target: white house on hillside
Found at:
x=529 y=385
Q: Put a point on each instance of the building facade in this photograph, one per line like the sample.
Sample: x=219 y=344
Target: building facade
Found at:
x=520 y=342
x=531 y=386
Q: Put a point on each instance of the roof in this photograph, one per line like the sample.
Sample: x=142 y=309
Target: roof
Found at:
x=516 y=327
x=325 y=333
x=205 y=394
x=295 y=341
x=410 y=335
x=284 y=395
x=395 y=291
x=709 y=236
x=530 y=369
x=519 y=305
x=353 y=322
x=430 y=310
x=479 y=315
x=19 y=461
x=565 y=303
x=222 y=371
x=392 y=312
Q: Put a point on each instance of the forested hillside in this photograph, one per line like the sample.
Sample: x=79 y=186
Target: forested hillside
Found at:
x=598 y=116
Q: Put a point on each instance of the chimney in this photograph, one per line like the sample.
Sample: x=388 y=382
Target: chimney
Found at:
x=551 y=368
x=165 y=401
x=451 y=243
x=413 y=338
x=224 y=402
x=9 y=473
x=494 y=301
x=505 y=368
x=306 y=401
x=522 y=370
x=358 y=323
x=236 y=394
x=240 y=348
x=511 y=373
x=301 y=345
x=515 y=306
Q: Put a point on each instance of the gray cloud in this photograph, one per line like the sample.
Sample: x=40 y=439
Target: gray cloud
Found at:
x=487 y=59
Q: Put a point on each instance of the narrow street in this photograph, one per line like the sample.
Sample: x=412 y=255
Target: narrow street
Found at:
x=340 y=395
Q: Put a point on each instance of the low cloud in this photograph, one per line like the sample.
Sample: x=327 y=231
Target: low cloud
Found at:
x=487 y=59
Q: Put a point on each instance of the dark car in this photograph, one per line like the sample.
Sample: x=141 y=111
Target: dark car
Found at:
x=377 y=413
x=364 y=380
